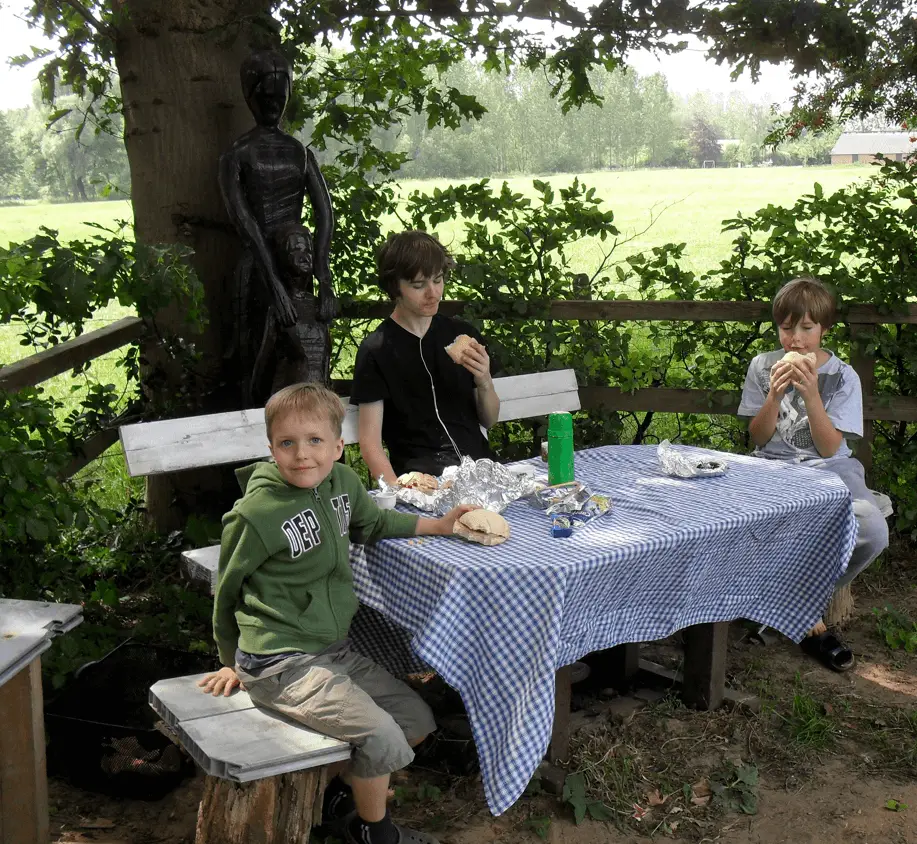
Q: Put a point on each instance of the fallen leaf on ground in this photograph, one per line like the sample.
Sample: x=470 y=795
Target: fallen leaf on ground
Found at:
x=700 y=801
x=701 y=789
x=654 y=798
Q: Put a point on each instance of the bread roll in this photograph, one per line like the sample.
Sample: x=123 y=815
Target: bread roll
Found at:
x=419 y=481
x=795 y=357
x=483 y=527
x=457 y=347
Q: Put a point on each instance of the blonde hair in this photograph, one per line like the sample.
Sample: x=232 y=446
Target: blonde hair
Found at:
x=805 y=295
x=309 y=399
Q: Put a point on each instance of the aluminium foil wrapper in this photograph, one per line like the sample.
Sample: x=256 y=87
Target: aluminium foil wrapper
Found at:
x=680 y=464
x=483 y=483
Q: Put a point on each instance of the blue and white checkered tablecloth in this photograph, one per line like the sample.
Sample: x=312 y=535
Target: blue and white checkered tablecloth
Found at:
x=766 y=541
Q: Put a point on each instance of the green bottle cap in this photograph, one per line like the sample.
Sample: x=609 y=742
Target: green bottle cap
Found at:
x=560 y=423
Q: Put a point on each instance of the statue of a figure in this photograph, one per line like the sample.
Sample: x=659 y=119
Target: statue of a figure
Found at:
x=282 y=333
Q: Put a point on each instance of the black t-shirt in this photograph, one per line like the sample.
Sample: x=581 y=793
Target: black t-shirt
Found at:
x=416 y=378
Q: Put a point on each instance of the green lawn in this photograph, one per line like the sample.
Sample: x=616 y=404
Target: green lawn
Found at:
x=689 y=206
x=20 y=222
x=692 y=203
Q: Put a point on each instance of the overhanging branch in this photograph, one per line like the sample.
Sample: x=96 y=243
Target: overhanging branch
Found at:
x=89 y=17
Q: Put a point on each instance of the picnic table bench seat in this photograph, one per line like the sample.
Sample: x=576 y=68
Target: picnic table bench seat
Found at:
x=264 y=771
x=231 y=738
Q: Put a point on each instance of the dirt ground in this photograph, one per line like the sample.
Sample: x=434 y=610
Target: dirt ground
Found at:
x=827 y=758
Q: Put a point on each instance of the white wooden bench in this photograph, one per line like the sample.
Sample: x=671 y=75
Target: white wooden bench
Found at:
x=177 y=444
x=264 y=771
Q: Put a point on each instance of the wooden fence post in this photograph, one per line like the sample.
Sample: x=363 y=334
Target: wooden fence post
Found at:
x=864 y=363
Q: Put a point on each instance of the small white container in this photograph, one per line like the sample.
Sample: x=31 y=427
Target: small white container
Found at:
x=386 y=500
x=525 y=471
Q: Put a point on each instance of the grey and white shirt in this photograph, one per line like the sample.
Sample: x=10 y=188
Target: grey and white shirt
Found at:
x=841 y=394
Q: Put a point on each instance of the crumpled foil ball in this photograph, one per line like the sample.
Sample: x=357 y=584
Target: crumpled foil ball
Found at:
x=682 y=465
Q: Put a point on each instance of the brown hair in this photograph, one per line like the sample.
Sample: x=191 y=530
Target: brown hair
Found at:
x=805 y=295
x=407 y=254
x=310 y=399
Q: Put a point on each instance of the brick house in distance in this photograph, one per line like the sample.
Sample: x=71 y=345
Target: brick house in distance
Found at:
x=862 y=147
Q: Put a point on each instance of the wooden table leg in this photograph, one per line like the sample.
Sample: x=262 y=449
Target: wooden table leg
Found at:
x=704 y=678
x=559 y=748
x=615 y=667
x=23 y=778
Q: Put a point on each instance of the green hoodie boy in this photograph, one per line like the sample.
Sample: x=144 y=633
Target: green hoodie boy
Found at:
x=285 y=582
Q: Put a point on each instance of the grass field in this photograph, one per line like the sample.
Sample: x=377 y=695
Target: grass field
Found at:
x=20 y=222
x=693 y=203
x=689 y=205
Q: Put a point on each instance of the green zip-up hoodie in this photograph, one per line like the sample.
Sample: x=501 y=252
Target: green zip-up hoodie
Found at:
x=284 y=580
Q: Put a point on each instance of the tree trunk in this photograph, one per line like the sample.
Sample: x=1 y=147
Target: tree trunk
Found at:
x=276 y=810
x=178 y=62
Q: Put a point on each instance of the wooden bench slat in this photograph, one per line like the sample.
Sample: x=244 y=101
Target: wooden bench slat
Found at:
x=536 y=384
x=201 y=564
x=538 y=406
x=174 y=445
x=251 y=744
x=178 y=699
x=26 y=630
x=170 y=445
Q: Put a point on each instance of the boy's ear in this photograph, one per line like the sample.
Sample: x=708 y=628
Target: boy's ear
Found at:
x=338 y=451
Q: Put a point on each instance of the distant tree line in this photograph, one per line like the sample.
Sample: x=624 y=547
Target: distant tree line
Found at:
x=640 y=123
x=54 y=153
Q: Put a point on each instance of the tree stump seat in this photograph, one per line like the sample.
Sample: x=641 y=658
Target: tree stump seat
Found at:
x=842 y=605
x=265 y=773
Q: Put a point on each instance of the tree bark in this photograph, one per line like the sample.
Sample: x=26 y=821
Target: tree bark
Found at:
x=841 y=607
x=276 y=810
x=178 y=62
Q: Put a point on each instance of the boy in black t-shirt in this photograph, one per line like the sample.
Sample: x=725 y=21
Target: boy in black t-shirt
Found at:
x=428 y=410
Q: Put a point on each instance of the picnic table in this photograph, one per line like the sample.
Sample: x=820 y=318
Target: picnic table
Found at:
x=766 y=541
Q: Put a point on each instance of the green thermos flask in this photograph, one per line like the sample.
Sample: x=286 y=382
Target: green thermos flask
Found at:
x=560 y=448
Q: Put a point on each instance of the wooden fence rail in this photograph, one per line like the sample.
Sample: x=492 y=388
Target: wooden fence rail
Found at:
x=861 y=320
x=44 y=365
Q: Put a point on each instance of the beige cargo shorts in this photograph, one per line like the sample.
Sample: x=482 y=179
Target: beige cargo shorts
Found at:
x=351 y=698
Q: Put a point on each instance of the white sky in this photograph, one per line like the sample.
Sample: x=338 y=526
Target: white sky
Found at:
x=686 y=72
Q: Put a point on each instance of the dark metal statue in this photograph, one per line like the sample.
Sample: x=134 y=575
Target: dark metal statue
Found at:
x=282 y=326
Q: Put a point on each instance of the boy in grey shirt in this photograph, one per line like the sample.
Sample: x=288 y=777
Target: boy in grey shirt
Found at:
x=803 y=412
